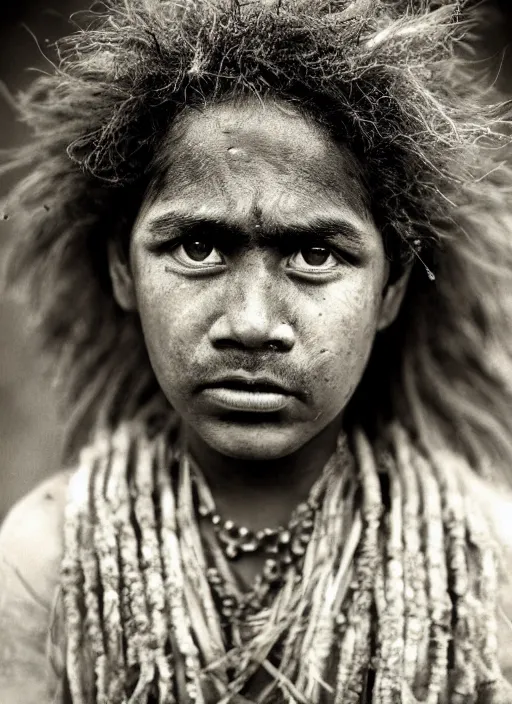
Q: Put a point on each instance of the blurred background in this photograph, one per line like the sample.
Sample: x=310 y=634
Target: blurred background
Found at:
x=29 y=430
x=30 y=439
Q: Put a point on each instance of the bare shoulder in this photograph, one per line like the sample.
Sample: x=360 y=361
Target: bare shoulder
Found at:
x=31 y=547
x=503 y=529
x=31 y=536
x=505 y=619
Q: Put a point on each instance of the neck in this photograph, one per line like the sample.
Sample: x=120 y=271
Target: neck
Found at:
x=260 y=494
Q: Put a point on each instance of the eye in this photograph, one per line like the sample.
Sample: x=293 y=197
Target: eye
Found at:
x=308 y=258
x=197 y=253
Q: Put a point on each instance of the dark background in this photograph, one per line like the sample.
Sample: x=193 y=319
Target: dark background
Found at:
x=29 y=431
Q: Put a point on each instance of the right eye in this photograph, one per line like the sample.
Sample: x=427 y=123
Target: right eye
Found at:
x=197 y=254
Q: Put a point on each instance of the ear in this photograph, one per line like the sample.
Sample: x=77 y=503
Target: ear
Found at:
x=392 y=298
x=121 y=275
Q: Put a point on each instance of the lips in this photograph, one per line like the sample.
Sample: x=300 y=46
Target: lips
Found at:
x=249 y=383
x=246 y=393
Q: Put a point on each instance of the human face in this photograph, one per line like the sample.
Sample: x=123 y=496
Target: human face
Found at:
x=259 y=277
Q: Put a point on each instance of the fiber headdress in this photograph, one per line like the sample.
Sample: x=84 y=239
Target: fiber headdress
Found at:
x=388 y=78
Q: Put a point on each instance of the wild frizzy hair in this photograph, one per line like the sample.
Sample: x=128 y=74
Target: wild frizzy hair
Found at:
x=389 y=80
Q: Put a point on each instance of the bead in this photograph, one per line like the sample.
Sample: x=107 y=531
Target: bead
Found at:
x=231 y=551
x=250 y=544
x=229 y=525
x=191 y=691
x=229 y=606
x=189 y=662
x=271 y=571
x=213 y=576
x=216 y=519
x=302 y=508
x=297 y=547
x=285 y=537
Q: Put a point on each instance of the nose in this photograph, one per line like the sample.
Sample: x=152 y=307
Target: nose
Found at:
x=254 y=312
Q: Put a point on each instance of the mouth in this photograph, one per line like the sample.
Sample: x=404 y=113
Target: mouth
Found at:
x=240 y=393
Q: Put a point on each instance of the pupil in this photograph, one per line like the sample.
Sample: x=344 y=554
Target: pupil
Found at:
x=315 y=256
x=198 y=251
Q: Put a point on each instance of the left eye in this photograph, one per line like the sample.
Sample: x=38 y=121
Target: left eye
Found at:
x=313 y=258
x=197 y=253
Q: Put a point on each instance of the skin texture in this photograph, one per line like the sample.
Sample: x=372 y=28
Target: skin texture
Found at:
x=257 y=304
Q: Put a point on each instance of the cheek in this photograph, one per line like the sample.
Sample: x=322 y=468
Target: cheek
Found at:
x=341 y=340
x=166 y=317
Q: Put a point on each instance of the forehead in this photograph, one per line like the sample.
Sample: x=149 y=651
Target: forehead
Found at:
x=264 y=159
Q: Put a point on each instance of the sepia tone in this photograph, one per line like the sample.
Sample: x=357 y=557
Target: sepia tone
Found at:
x=158 y=474
x=30 y=437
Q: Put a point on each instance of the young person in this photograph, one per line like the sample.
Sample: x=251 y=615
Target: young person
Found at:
x=269 y=245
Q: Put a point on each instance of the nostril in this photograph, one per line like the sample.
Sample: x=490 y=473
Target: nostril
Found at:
x=275 y=346
x=269 y=346
x=226 y=343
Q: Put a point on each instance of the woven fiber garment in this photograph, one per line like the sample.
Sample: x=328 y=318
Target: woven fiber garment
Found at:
x=384 y=606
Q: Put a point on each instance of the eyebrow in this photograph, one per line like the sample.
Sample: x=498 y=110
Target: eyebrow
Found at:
x=320 y=228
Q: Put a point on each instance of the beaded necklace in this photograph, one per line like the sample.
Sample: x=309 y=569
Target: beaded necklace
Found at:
x=244 y=611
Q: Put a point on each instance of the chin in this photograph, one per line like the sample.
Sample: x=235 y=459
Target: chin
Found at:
x=253 y=442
